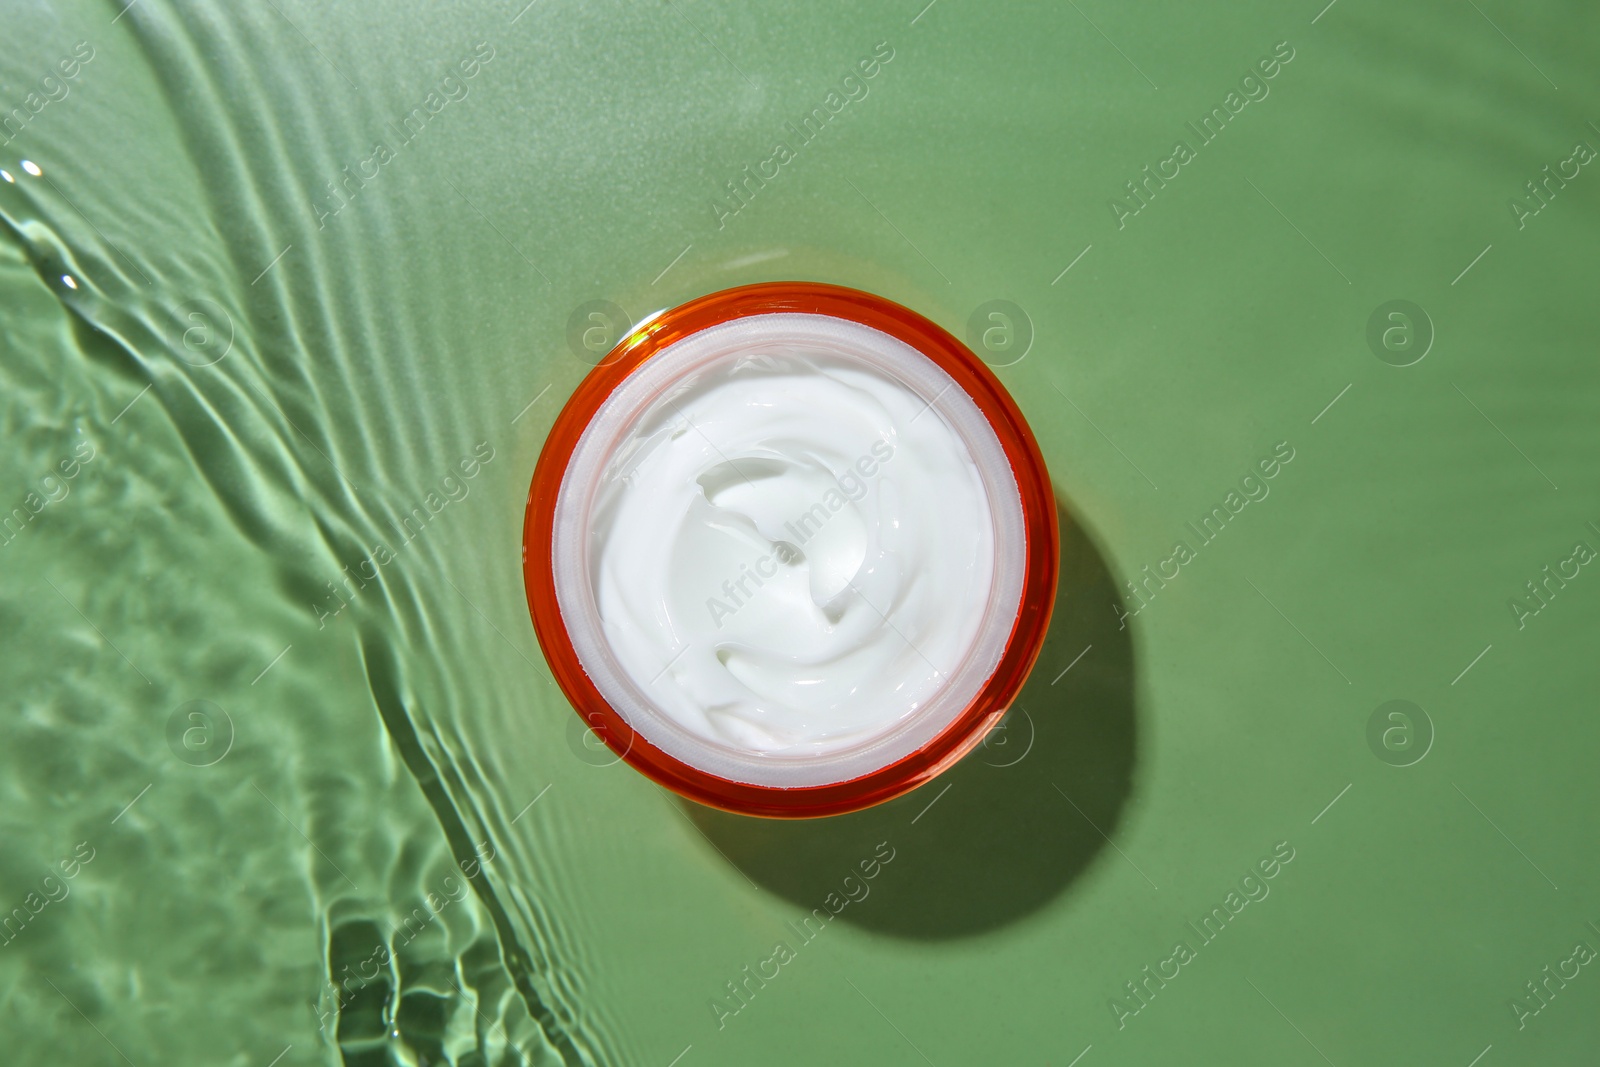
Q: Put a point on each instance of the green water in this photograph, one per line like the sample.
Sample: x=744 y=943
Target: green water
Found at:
x=287 y=313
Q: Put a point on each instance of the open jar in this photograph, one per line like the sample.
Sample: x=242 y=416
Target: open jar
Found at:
x=790 y=549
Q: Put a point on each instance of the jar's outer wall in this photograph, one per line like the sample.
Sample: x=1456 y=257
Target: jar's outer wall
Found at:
x=1039 y=573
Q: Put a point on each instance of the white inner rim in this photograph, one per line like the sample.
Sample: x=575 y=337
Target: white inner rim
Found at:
x=615 y=421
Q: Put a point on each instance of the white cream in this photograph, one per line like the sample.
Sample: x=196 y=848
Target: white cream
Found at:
x=786 y=564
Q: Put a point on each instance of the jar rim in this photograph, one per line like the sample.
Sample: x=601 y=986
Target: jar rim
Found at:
x=1040 y=545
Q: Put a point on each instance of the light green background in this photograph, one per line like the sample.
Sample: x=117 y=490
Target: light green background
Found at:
x=363 y=355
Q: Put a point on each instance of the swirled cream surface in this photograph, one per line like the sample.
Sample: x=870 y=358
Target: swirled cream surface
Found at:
x=790 y=547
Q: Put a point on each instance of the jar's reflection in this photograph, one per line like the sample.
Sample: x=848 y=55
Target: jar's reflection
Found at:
x=1008 y=829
